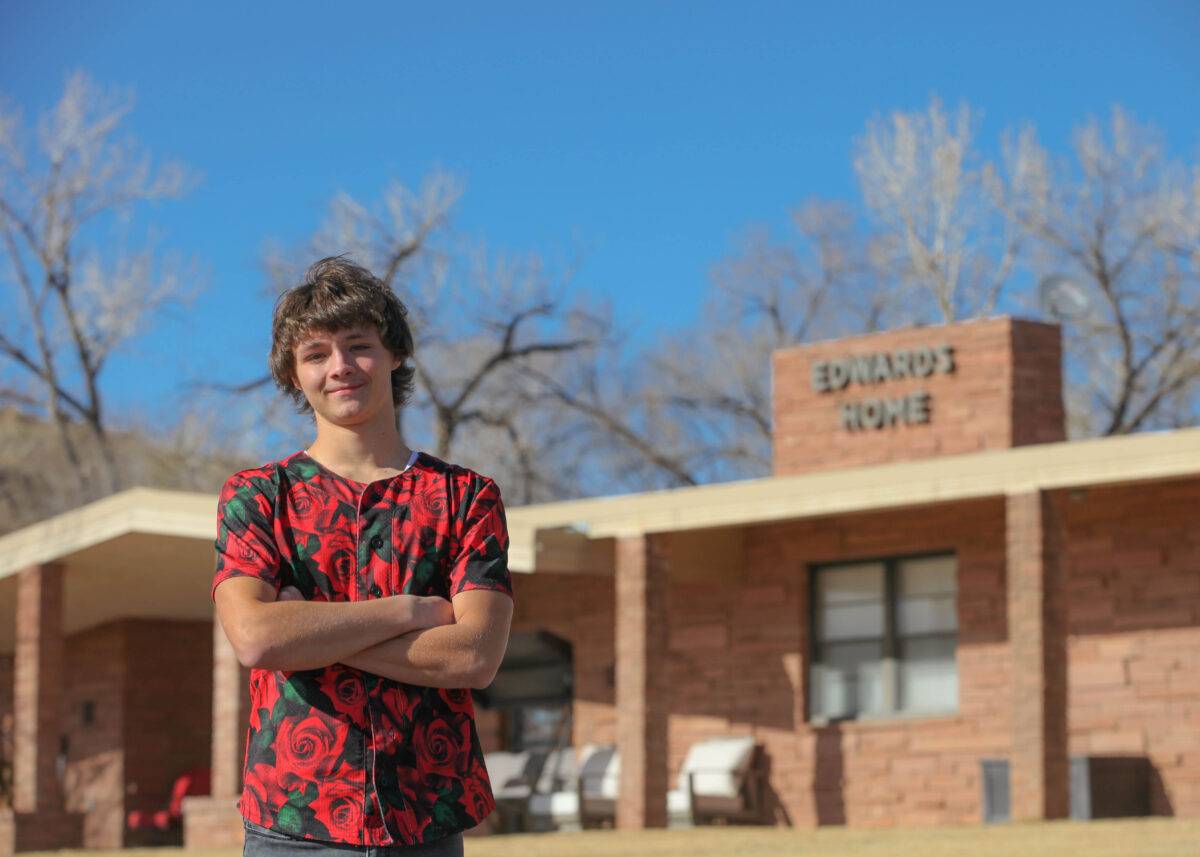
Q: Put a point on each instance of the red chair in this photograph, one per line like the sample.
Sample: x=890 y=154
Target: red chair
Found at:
x=194 y=782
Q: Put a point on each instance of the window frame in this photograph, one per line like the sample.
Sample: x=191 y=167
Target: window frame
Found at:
x=889 y=662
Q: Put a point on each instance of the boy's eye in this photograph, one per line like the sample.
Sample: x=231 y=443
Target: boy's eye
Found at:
x=316 y=355
x=360 y=347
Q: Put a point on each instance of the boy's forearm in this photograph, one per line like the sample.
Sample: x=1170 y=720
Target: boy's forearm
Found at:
x=447 y=656
x=299 y=635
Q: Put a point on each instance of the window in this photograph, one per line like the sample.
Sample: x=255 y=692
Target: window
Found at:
x=884 y=635
x=540 y=728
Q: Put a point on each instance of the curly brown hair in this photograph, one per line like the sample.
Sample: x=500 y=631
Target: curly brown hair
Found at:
x=336 y=294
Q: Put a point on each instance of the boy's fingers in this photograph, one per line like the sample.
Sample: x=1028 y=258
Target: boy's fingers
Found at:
x=290 y=593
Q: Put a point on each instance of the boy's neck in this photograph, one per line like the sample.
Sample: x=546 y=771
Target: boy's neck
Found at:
x=360 y=451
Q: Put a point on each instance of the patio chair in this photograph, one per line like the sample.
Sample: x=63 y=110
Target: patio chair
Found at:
x=157 y=822
x=721 y=779
x=512 y=784
x=599 y=780
x=573 y=796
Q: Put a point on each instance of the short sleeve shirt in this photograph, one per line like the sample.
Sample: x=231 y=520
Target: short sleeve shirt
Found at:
x=338 y=754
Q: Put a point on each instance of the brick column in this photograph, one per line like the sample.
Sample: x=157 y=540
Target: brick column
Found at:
x=37 y=690
x=1038 y=774
x=37 y=820
x=231 y=700
x=213 y=821
x=642 y=693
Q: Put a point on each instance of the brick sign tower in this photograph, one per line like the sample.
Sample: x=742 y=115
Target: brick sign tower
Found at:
x=916 y=393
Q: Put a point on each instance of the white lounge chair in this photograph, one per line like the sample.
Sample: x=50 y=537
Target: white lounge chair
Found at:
x=721 y=778
x=511 y=786
x=587 y=798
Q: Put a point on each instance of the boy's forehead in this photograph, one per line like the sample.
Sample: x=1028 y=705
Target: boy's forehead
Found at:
x=319 y=336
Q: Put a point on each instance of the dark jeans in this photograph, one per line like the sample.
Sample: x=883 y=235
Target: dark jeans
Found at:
x=261 y=842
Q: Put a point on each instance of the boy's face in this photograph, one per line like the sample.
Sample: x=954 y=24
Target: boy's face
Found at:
x=346 y=375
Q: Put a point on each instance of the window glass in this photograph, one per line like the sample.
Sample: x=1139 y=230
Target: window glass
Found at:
x=928 y=675
x=850 y=602
x=850 y=583
x=849 y=675
x=540 y=727
x=848 y=680
x=926 y=615
x=928 y=575
x=852 y=621
x=926 y=595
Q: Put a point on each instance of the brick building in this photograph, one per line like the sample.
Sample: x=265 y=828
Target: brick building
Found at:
x=934 y=589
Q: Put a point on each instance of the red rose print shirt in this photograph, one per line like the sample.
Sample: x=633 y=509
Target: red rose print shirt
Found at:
x=338 y=754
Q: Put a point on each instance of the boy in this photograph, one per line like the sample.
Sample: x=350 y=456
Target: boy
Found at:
x=366 y=586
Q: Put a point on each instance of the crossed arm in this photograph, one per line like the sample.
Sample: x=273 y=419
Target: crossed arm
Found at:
x=414 y=639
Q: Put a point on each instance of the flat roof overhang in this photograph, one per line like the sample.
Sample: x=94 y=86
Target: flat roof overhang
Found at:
x=996 y=473
x=107 y=547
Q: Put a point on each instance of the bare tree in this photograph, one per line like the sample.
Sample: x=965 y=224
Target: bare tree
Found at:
x=1115 y=235
x=631 y=440
x=399 y=238
x=483 y=324
x=696 y=406
x=73 y=297
x=925 y=184
x=1113 y=240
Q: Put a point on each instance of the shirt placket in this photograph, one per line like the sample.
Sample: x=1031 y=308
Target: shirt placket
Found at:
x=372 y=545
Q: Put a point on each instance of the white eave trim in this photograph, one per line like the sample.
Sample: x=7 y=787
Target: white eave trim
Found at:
x=1044 y=467
x=148 y=511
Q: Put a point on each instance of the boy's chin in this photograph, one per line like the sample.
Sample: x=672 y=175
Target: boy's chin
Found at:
x=346 y=417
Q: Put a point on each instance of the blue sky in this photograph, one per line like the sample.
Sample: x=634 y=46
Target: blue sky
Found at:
x=640 y=138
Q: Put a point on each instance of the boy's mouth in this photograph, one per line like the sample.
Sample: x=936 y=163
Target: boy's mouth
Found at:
x=344 y=390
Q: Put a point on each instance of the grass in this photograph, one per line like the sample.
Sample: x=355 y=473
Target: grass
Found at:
x=1151 y=837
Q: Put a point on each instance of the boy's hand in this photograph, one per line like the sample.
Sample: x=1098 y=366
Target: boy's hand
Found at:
x=428 y=611
x=431 y=611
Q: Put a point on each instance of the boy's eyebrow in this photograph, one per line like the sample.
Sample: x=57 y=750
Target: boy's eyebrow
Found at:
x=356 y=333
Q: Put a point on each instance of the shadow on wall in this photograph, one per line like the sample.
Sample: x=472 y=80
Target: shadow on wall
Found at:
x=775 y=811
x=1160 y=800
x=830 y=769
x=1117 y=787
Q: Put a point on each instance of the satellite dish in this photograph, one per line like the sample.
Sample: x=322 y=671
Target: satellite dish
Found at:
x=1060 y=296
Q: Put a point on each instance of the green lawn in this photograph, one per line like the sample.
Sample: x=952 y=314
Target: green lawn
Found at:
x=1155 y=837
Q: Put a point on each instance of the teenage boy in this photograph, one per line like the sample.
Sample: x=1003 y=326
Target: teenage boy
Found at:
x=366 y=586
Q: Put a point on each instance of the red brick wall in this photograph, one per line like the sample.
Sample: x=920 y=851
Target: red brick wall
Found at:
x=168 y=699
x=1133 y=576
x=1005 y=390
x=911 y=771
x=150 y=686
x=95 y=774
